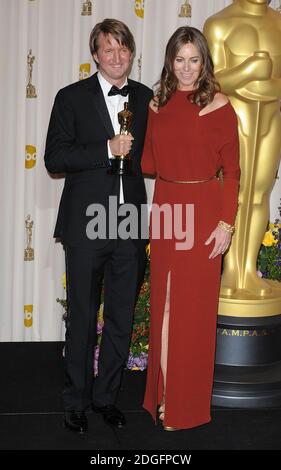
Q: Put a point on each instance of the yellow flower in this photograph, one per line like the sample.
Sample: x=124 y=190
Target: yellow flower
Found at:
x=135 y=368
x=147 y=249
x=100 y=313
x=274 y=227
x=269 y=239
x=64 y=280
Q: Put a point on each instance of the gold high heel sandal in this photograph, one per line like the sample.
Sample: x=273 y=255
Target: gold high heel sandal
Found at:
x=161 y=416
x=169 y=428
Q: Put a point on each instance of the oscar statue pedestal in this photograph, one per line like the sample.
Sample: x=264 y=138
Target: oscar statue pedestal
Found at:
x=248 y=355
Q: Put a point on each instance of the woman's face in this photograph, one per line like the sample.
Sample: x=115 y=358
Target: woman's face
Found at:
x=187 y=66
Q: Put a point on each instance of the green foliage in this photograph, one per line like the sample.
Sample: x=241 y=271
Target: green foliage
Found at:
x=269 y=258
x=269 y=262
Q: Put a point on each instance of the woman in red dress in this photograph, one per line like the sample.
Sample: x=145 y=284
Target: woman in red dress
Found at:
x=192 y=134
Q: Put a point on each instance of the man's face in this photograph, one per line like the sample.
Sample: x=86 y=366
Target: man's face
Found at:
x=114 y=59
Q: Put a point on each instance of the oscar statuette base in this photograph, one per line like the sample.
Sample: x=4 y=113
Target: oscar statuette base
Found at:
x=248 y=353
x=121 y=166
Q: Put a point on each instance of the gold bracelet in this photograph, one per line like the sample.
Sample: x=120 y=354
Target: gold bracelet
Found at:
x=227 y=227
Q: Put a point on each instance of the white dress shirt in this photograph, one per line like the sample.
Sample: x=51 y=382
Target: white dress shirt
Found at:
x=114 y=104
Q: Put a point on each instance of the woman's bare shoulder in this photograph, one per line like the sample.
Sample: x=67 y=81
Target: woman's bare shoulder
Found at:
x=219 y=100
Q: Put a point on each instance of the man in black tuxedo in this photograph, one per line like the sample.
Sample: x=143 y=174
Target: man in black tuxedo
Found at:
x=83 y=136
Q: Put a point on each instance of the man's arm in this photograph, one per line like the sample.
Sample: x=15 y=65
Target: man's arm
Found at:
x=63 y=154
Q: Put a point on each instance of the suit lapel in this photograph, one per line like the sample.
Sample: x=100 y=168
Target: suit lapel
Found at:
x=98 y=100
x=99 y=103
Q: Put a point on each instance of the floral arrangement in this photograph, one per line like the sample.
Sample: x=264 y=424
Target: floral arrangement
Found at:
x=269 y=258
x=100 y=324
x=138 y=352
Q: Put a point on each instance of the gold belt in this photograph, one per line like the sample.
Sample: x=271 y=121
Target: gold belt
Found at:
x=186 y=182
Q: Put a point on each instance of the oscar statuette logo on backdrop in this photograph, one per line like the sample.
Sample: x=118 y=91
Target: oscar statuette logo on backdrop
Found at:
x=139 y=67
x=28 y=251
x=185 y=11
x=30 y=89
x=86 y=8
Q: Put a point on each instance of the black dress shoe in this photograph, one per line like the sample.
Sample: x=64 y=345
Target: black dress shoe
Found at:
x=111 y=415
x=76 y=421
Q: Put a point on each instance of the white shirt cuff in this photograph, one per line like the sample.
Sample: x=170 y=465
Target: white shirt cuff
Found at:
x=109 y=151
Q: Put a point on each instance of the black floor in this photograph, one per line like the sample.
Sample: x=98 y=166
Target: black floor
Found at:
x=31 y=413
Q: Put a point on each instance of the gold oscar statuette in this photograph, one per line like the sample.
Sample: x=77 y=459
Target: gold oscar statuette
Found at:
x=30 y=89
x=185 y=11
x=86 y=8
x=29 y=251
x=245 y=43
x=122 y=164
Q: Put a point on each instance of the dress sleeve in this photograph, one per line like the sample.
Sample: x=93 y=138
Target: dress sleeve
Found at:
x=148 y=160
x=231 y=170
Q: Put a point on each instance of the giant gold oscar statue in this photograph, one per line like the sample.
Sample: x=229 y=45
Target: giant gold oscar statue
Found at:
x=245 y=43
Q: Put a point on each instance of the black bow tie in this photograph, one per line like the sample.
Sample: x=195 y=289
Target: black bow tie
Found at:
x=114 y=90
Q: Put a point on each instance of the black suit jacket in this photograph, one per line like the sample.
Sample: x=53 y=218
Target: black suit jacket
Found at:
x=76 y=145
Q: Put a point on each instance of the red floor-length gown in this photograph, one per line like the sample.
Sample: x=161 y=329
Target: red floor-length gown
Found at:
x=183 y=146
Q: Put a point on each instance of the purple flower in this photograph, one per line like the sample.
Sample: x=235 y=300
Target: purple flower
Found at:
x=99 y=327
x=96 y=360
x=137 y=362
